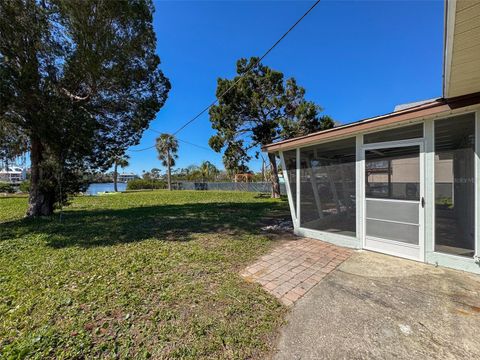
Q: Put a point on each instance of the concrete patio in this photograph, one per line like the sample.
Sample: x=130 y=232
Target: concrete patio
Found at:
x=380 y=307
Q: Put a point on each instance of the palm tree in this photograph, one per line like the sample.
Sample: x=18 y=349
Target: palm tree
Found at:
x=167 y=147
x=208 y=170
x=155 y=173
x=121 y=161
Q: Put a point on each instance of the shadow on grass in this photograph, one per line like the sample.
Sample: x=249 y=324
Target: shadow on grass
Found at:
x=90 y=228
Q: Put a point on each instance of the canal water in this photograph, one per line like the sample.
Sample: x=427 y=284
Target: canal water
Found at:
x=95 y=188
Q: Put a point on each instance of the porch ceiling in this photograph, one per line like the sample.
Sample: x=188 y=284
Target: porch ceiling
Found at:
x=462 y=48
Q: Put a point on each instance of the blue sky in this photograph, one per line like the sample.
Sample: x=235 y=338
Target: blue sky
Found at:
x=355 y=58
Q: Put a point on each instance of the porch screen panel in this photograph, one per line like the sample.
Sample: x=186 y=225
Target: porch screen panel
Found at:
x=405 y=233
x=455 y=185
x=403 y=133
x=406 y=212
x=393 y=173
x=290 y=158
x=392 y=191
x=327 y=187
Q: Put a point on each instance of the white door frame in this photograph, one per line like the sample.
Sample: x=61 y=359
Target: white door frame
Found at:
x=421 y=214
x=293 y=210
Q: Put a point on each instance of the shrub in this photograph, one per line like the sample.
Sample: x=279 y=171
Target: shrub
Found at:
x=445 y=202
x=24 y=186
x=140 y=184
x=6 y=188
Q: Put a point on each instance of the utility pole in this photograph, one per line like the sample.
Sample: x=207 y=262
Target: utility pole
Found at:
x=263 y=169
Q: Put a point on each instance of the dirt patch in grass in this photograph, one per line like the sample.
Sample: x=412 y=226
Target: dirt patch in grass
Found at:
x=138 y=275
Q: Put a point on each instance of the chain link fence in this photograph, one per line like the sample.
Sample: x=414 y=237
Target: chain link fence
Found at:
x=262 y=187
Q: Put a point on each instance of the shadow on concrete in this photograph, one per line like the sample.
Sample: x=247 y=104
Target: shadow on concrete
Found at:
x=376 y=306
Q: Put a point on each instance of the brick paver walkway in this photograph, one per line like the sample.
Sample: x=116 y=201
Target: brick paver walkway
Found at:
x=293 y=268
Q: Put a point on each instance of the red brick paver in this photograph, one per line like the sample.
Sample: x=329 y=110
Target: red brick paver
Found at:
x=293 y=268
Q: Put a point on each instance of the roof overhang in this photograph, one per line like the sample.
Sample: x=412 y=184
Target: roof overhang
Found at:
x=461 y=63
x=431 y=109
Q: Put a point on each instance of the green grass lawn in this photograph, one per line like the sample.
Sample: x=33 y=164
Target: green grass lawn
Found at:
x=136 y=275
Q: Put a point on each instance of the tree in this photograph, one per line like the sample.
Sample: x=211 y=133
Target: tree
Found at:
x=235 y=157
x=208 y=171
x=155 y=173
x=167 y=147
x=191 y=172
x=261 y=108
x=13 y=142
x=121 y=161
x=79 y=81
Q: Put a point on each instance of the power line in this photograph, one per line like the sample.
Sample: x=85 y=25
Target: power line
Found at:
x=234 y=84
x=192 y=144
x=184 y=141
x=155 y=131
x=249 y=68
x=139 y=150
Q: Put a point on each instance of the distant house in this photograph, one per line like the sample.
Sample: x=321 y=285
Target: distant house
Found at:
x=13 y=174
x=126 y=177
x=405 y=183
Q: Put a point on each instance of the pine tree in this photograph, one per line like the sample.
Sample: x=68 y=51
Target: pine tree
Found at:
x=260 y=108
x=79 y=80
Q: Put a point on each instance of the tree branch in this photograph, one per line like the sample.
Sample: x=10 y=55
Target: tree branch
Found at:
x=74 y=97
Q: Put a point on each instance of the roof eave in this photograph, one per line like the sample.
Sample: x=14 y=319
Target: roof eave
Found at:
x=449 y=29
x=436 y=107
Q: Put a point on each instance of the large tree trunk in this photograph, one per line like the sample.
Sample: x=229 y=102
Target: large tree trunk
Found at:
x=169 y=172
x=115 y=176
x=274 y=178
x=40 y=202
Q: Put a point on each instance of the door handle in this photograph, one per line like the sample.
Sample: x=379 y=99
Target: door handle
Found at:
x=423 y=202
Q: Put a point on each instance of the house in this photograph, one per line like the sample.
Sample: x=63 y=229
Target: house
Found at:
x=13 y=174
x=126 y=177
x=406 y=183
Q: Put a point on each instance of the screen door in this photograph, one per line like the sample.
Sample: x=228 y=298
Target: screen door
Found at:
x=394 y=198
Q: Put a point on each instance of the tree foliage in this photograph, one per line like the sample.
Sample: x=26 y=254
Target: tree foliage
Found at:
x=119 y=161
x=260 y=108
x=208 y=171
x=79 y=80
x=155 y=173
x=13 y=141
x=167 y=147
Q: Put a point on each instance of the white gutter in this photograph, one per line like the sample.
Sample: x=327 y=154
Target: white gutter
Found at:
x=450 y=11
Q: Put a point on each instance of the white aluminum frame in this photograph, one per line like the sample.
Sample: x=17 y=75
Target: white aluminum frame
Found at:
x=289 y=190
x=337 y=239
x=297 y=205
x=477 y=186
x=444 y=259
x=359 y=189
x=427 y=237
x=390 y=246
